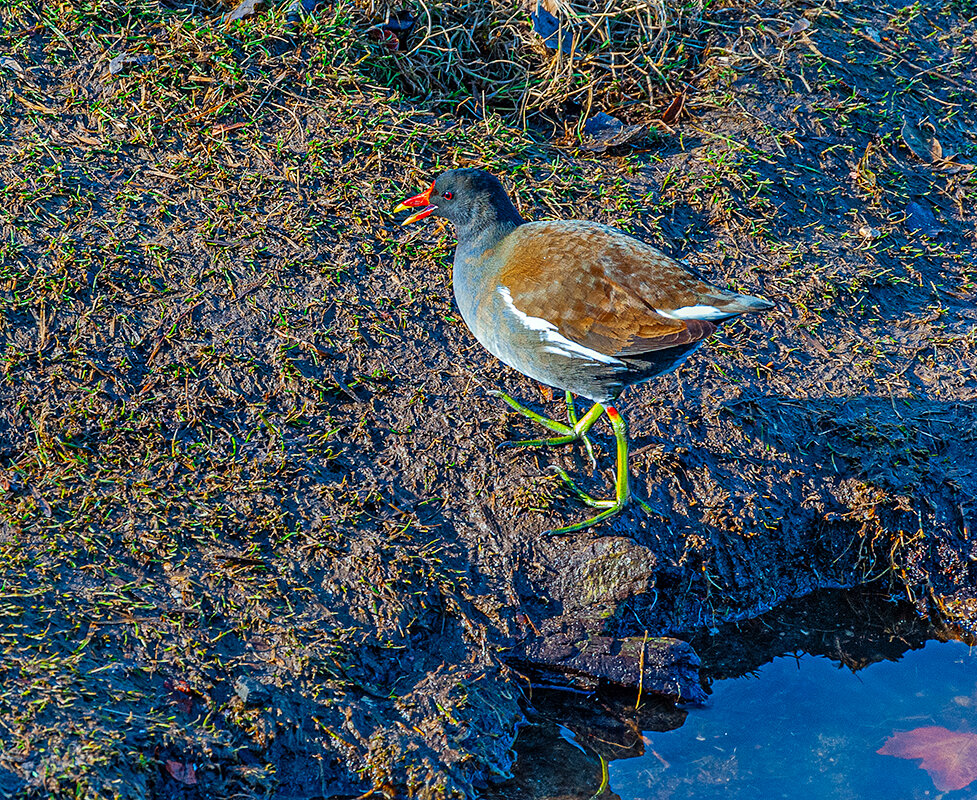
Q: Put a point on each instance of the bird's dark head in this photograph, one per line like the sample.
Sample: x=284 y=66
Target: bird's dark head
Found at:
x=470 y=198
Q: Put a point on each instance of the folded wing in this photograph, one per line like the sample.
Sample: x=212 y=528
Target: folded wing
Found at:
x=612 y=293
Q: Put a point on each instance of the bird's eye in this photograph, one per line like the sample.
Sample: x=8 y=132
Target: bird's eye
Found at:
x=448 y=195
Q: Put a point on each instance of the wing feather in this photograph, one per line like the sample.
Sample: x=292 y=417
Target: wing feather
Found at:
x=600 y=287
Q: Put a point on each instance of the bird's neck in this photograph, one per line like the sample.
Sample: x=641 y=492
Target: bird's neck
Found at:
x=481 y=235
x=473 y=277
x=491 y=220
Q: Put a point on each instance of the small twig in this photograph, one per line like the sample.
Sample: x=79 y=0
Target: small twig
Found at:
x=314 y=348
x=641 y=671
x=177 y=321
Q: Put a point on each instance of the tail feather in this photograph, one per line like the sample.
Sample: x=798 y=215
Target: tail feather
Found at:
x=708 y=302
x=744 y=304
x=717 y=306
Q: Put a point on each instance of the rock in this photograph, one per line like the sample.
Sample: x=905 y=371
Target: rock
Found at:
x=603 y=131
x=670 y=666
x=920 y=219
x=252 y=693
x=601 y=571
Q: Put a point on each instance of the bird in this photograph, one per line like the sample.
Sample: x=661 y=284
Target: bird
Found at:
x=573 y=304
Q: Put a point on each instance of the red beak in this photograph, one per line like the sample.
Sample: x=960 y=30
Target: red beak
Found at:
x=422 y=201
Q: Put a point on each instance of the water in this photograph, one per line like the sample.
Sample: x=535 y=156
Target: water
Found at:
x=805 y=728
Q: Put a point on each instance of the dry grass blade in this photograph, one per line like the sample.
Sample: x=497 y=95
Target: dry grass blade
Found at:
x=491 y=50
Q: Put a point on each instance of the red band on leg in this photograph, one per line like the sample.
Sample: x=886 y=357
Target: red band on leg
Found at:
x=612 y=412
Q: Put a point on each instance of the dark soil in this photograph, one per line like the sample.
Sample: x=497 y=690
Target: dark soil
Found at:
x=254 y=530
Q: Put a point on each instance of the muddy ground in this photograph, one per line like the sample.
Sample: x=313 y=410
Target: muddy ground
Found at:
x=256 y=537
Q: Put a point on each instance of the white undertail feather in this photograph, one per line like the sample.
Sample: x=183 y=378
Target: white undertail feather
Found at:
x=710 y=313
x=732 y=306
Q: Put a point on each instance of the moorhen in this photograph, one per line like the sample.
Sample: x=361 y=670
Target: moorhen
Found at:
x=572 y=304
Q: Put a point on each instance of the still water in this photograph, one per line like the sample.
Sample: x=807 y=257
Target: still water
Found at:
x=806 y=728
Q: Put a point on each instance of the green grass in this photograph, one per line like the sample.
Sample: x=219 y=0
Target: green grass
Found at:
x=221 y=461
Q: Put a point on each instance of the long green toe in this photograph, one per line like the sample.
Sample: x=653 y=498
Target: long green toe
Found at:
x=576 y=433
x=622 y=493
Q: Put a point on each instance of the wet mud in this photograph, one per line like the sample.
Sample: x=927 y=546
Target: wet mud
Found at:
x=258 y=535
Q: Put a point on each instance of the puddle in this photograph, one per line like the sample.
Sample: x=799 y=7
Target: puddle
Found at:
x=857 y=671
x=809 y=728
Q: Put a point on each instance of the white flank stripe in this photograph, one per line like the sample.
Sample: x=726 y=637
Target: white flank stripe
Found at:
x=696 y=312
x=556 y=342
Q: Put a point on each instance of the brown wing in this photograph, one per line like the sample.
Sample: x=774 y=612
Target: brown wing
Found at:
x=600 y=287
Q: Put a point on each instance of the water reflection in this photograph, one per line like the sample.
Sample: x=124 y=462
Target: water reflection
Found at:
x=804 y=728
x=803 y=725
x=561 y=750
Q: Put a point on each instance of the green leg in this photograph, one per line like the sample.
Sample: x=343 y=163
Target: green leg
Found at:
x=622 y=493
x=571 y=410
x=568 y=434
x=572 y=416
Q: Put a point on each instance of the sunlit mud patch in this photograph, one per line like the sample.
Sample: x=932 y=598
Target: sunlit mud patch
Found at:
x=842 y=695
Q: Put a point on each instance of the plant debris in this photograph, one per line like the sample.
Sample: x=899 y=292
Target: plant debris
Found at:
x=394 y=32
x=120 y=62
x=800 y=25
x=245 y=9
x=555 y=33
x=925 y=146
x=674 y=110
x=182 y=773
x=470 y=51
x=950 y=757
x=296 y=7
x=603 y=131
x=920 y=219
x=6 y=62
